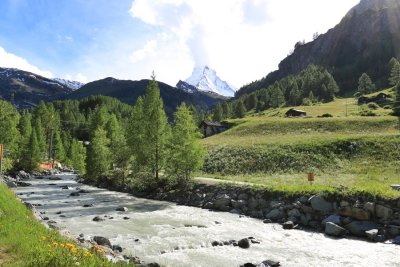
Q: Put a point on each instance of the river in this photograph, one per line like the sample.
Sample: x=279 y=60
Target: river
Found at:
x=174 y=235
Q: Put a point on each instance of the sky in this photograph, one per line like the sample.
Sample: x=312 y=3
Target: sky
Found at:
x=87 y=40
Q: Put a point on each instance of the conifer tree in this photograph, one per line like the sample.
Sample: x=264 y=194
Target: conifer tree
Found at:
x=396 y=104
x=156 y=129
x=395 y=73
x=135 y=134
x=218 y=113
x=295 y=94
x=99 y=156
x=30 y=157
x=59 y=151
x=365 y=85
x=186 y=151
x=277 y=97
x=76 y=156
x=240 y=109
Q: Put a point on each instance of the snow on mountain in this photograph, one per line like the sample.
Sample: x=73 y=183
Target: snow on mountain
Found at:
x=206 y=79
x=74 y=85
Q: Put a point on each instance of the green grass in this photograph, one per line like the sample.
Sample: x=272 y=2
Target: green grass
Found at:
x=361 y=154
x=26 y=242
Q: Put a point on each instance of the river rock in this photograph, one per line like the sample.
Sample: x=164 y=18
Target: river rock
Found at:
x=153 y=264
x=275 y=214
x=319 y=203
x=294 y=213
x=102 y=241
x=23 y=175
x=288 y=225
x=396 y=240
x=74 y=194
x=393 y=230
x=244 y=243
x=359 y=228
x=370 y=207
x=383 y=212
x=371 y=234
x=11 y=184
x=275 y=204
x=248 y=264
x=334 y=229
x=267 y=221
x=222 y=202
x=336 y=219
x=269 y=263
x=46 y=218
x=88 y=205
x=23 y=184
x=124 y=209
x=83 y=191
x=238 y=204
x=208 y=205
x=117 y=248
x=356 y=213
x=98 y=219
x=55 y=178
x=243 y=196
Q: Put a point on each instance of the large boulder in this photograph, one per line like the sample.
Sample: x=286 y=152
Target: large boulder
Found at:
x=288 y=225
x=294 y=213
x=222 y=202
x=269 y=263
x=244 y=243
x=359 y=228
x=319 y=203
x=383 y=212
x=275 y=214
x=334 y=229
x=124 y=209
x=355 y=213
x=102 y=241
x=98 y=219
x=336 y=219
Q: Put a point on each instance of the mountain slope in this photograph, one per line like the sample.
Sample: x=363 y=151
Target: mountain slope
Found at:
x=206 y=79
x=364 y=41
x=26 y=89
x=128 y=91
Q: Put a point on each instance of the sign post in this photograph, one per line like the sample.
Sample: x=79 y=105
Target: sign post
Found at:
x=1 y=160
x=311 y=177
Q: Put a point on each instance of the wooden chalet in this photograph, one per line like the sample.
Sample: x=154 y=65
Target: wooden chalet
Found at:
x=209 y=128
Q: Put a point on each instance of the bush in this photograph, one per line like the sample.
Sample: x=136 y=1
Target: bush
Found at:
x=387 y=107
x=373 y=106
x=326 y=115
x=307 y=102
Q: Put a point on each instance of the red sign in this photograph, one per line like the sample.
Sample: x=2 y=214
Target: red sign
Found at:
x=311 y=177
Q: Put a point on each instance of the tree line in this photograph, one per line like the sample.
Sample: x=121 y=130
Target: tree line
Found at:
x=105 y=140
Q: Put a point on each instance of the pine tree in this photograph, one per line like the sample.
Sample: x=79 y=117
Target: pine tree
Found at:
x=226 y=110
x=99 y=156
x=365 y=85
x=186 y=151
x=240 y=109
x=25 y=129
x=136 y=136
x=30 y=157
x=77 y=156
x=156 y=129
x=41 y=136
x=295 y=94
x=118 y=145
x=277 y=97
x=396 y=104
x=395 y=73
x=218 y=113
x=59 y=151
x=251 y=101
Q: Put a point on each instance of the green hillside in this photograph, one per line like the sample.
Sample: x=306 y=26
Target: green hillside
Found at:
x=351 y=151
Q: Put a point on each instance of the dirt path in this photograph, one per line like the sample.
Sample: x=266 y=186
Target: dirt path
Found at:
x=213 y=181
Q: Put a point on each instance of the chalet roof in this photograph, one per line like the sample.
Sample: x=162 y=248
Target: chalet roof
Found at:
x=297 y=110
x=212 y=123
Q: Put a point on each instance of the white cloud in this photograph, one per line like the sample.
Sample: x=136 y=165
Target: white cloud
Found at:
x=9 y=60
x=78 y=77
x=242 y=39
x=147 y=50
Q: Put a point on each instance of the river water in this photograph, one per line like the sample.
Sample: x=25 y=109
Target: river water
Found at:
x=174 y=235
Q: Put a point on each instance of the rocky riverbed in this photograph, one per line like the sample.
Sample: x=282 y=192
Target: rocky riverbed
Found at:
x=178 y=235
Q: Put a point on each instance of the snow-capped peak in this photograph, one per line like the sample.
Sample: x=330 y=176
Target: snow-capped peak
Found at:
x=206 y=79
x=74 y=85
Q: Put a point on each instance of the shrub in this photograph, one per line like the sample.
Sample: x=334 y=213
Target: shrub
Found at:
x=326 y=115
x=373 y=106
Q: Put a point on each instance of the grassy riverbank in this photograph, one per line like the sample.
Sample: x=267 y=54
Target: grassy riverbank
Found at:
x=26 y=242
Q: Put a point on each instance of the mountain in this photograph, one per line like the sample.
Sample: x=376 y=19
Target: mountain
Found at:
x=25 y=89
x=364 y=41
x=128 y=91
x=206 y=79
x=74 y=85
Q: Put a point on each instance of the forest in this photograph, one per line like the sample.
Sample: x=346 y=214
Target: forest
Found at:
x=105 y=140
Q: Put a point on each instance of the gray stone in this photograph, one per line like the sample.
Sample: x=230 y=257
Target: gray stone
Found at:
x=396 y=240
x=344 y=203
x=359 y=228
x=269 y=263
x=102 y=241
x=275 y=204
x=288 y=225
x=267 y=221
x=334 y=229
x=208 y=205
x=370 y=207
x=11 y=184
x=74 y=194
x=303 y=200
x=319 y=203
x=238 y=204
x=383 y=212
x=393 y=230
x=97 y=219
x=124 y=209
x=253 y=203
x=305 y=218
x=336 y=219
x=307 y=209
x=222 y=202
x=356 y=213
x=275 y=214
x=262 y=204
x=371 y=234
x=294 y=213
x=235 y=211
x=117 y=248
x=244 y=243
x=243 y=196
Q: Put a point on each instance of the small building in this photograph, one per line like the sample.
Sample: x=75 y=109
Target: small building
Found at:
x=380 y=98
x=209 y=128
x=295 y=113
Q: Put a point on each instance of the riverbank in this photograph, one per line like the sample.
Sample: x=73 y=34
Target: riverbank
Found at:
x=24 y=241
x=364 y=216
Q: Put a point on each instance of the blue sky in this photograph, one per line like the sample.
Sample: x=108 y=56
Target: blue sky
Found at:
x=91 y=39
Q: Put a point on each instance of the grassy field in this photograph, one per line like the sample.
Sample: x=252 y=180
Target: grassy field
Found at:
x=26 y=242
x=349 y=153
